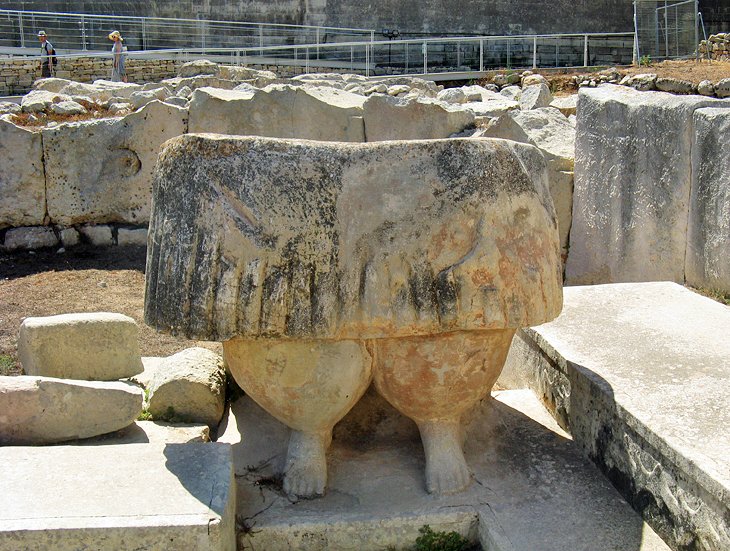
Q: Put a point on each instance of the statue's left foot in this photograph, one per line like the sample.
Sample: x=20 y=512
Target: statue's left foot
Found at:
x=305 y=474
x=446 y=469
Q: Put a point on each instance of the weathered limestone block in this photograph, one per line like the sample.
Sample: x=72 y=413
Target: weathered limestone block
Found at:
x=9 y=108
x=188 y=386
x=632 y=185
x=42 y=410
x=22 y=179
x=387 y=223
x=408 y=118
x=67 y=108
x=101 y=171
x=567 y=105
x=33 y=237
x=548 y=130
x=136 y=237
x=452 y=95
x=40 y=100
x=51 y=84
x=143 y=97
x=722 y=88
x=198 y=67
x=280 y=111
x=293 y=252
x=535 y=96
x=117 y=89
x=708 y=228
x=101 y=236
x=98 y=346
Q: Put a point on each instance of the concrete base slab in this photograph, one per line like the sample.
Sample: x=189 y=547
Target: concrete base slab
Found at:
x=134 y=496
x=639 y=373
x=532 y=489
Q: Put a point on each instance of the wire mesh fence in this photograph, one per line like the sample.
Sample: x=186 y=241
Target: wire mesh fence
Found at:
x=666 y=28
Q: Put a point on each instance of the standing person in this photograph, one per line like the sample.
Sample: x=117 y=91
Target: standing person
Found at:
x=119 y=72
x=46 y=54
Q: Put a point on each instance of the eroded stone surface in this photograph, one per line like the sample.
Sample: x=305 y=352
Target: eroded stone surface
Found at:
x=632 y=185
x=43 y=410
x=412 y=118
x=22 y=178
x=96 y=346
x=295 y=239
x=101 y=170
x=708 y=228
x=279 y=111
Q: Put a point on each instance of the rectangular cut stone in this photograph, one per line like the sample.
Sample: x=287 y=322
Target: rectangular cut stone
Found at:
x=22 y=179
x=101 y=171
x=532 y=488
x=296 y=239
x=632 y=185
x=130 y=496
x=639 y=374
x=708 y=231
x=280 y=111
x=100 y=346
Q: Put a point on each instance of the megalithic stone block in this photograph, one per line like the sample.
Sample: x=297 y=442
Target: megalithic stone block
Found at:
x=411 y=263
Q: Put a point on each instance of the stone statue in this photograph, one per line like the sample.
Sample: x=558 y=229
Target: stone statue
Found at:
x=323 y=266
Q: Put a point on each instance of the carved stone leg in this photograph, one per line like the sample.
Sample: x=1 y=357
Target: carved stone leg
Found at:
x=433 y=380
x=307 y=385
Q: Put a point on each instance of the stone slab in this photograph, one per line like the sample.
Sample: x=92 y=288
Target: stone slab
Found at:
x=708 y=229
x=632 y=186
x=640 y=374
x=533 y=490
x=134 y=496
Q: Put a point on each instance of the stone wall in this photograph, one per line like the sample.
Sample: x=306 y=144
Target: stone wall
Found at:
x=410 y=16
x=18 y=74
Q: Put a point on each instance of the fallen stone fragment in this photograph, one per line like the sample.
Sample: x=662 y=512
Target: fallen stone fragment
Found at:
x=100 y=236
x=722 y=88
x=706 y=88
x=98 y=346
x=533 y=80
x=150 y=432
x=43 y=410
x=674 y=85
x=40 y=100
x=643 y=82
x=136 y=237
x=198 y=67
x=535 y=96
x=188 y=386
x=512 y=92
x=67 y=108
x=452 y=95
x=567 y=105
x=9 y=107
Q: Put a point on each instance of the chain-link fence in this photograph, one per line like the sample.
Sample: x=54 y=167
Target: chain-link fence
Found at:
x=666 y=28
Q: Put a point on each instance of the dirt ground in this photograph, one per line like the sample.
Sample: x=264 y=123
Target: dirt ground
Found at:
x=79 y=280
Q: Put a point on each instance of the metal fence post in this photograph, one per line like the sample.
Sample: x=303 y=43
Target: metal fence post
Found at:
x=424 y=51
x=317 y=38
x=261 y=40
x=405 y=48
x=83 y=33
x=144 y=33
x=534 y=52
x=585 y=51
x=697 y=33
x=22 y=32
x=481 y=55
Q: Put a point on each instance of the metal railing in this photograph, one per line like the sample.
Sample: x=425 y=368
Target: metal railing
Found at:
x=83 y=32
x=418 y=56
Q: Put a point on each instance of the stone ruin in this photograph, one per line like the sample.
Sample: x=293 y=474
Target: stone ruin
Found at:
x=321 y=266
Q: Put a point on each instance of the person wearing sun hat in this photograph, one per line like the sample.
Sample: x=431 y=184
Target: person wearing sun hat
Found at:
x=119 y=72
x=46 y=53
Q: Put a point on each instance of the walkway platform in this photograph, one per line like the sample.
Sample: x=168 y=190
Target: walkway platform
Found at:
x=112 y=497
x=639 y=374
